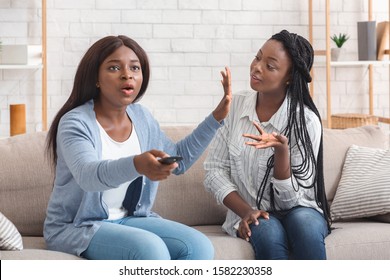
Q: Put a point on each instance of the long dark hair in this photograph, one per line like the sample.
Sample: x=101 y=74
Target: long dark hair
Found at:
x=302 y=56
x=84 y=86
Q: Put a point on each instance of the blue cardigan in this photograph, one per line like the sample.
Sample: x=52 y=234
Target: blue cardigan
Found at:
x=75 y=210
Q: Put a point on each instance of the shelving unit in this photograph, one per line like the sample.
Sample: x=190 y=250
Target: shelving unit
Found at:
x=329 y=64
x=41 y=65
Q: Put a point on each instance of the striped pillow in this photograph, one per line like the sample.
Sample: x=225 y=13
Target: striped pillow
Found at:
x=10 y=238
x=364 y=188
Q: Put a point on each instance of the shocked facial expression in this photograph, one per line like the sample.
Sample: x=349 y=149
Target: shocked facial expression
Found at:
x=120 y=78
x=270 y=69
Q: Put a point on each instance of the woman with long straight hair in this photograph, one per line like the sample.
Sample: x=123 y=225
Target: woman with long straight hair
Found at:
x=106 y=150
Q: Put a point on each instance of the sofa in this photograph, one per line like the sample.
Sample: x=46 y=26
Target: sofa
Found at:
x=26 y=180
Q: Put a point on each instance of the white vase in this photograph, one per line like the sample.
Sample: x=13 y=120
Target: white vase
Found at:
x=336 y=54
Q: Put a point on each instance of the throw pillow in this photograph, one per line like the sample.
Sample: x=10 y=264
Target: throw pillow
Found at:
x=10 y=238
x=364 y=188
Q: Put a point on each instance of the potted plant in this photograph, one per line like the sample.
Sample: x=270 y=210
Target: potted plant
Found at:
x=339 y=40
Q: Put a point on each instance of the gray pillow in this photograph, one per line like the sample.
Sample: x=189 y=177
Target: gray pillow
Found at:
x=364 y=188
x=10 y=238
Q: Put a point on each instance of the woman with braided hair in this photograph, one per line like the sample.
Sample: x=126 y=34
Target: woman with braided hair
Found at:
x=266 y=163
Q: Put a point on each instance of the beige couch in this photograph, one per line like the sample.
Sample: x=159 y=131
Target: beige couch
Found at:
x=26 y=183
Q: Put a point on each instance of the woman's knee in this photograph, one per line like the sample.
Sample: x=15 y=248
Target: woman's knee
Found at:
x=269 y=230
x=150 y=247
x=269 y=239
x=118 y=242
x=192 y=246
x=307 y=222
x=204 y=249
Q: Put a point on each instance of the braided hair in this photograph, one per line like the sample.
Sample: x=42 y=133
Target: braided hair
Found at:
x=301 y=54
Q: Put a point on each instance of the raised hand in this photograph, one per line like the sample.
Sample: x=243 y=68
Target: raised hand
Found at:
x=223 y=107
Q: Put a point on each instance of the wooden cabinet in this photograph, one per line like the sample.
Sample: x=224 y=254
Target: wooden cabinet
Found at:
x=42 y=65
x=329 y=64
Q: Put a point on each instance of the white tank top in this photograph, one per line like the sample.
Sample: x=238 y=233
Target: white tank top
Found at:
x=115 y=150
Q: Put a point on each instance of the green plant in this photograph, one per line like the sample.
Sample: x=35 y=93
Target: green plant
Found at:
x=340 y=39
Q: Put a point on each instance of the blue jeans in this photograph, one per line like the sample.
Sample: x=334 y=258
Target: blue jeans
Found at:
x=148 y=238
x=297 y=234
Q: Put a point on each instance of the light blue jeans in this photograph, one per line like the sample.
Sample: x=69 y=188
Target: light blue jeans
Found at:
x=148 y=238
x=295 y=234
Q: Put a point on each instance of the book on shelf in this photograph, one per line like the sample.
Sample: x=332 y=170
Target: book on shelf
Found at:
x=382 y=39
x=367 y=40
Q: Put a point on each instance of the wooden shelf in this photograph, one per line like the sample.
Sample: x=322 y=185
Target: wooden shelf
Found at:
x=21 y=66
x=353 y=63
x=384 y=120
x=34 y=59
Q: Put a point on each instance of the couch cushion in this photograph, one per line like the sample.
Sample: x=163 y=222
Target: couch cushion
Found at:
x=336 y=145
x=35 y=249
x=183 y=198
x=364 y=189
x=26 y=181
x=359 y=239
x=37 y=254
x=227 y=247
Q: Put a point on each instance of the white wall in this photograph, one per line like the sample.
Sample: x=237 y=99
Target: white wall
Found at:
x=188 y=42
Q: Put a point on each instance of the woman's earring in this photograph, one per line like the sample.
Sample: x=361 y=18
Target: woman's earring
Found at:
x=97 y=84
